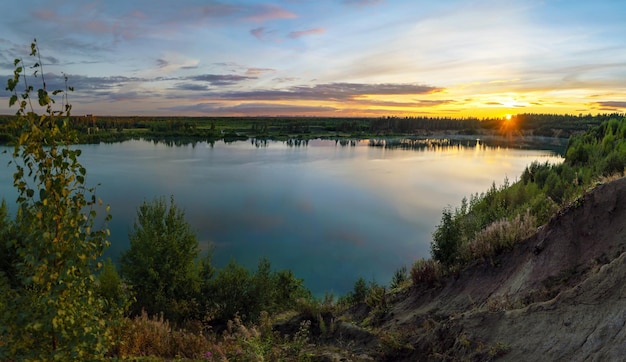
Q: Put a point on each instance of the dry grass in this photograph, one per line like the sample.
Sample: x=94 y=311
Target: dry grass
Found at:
x=498 y=237
x=426 y=272
x=145 y=336
x=149 y=338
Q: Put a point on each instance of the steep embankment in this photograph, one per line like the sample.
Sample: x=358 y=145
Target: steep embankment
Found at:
x=558 y=295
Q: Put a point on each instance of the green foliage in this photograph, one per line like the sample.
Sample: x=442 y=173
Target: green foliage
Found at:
x=237 y=292
x=233 y=292
x=160 y=263
x=446 y=239
x=8 y=255
x=377 y=298
x=166 y=275
x=50 y=308
x=399 y=277
x=114 y=293
x=359 y=291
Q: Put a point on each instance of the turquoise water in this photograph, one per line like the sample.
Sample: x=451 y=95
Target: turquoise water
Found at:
x=330 y=212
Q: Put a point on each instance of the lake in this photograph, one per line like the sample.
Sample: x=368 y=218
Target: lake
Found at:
x=330 y=211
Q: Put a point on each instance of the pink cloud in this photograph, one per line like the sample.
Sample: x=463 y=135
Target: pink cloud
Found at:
x=45 y=14
x=298 y=34
x=258 y=71
x=264 y=34
x=138 y=14
x=258 y=33
x=271 y=12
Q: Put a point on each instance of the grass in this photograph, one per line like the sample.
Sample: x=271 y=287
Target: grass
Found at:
x=498 y=237
x=155 y=339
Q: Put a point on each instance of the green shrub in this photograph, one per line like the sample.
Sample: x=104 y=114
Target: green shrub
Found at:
x=359 y=292
x=446 y=239
x=114 y=293
x=161 y=262
x=235 y=291
x=614 y=163
x=399 y=277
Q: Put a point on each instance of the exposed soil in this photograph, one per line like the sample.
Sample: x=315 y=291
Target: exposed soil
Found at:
x=559 y=295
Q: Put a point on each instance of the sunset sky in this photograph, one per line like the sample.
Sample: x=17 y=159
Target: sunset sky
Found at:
x=326 y=58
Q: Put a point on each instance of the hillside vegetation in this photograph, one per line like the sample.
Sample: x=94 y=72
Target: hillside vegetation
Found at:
x=526 y=270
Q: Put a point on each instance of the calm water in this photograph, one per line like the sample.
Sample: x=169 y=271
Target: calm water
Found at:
x=330 y=212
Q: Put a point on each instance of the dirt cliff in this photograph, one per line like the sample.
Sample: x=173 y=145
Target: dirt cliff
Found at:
x=559 y=295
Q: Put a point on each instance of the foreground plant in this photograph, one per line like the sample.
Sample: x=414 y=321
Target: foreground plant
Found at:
x=50 y=309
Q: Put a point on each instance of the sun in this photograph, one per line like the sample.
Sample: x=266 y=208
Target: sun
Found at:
x=508 y=125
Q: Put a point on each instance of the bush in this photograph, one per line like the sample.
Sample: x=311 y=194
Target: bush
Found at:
x=399 y=277
x=446 y=239
x=498 y=237
x=426 y=272
x=236 y=292
x=155 y=336
x=114 y=293
x=613 y=164
x=160 y=264
x=359 y=292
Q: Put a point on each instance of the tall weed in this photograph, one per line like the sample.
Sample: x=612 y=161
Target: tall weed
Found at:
x=499 y=236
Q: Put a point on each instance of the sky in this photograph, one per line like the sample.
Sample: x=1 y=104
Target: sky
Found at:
x=323 y=58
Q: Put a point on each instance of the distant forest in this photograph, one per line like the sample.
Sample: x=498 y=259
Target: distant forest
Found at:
x=93 y=129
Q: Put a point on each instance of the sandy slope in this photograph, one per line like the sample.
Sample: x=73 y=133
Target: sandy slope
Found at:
x=559 y=295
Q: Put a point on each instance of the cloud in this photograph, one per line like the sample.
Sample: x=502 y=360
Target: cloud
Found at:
x=259 y=71
x=332 y=92
x=82 y=84
x=215 y=9
x=102 y=89
x=44 y=14
x=89 y=19
x=362 y=2
x=614 y=104
x=259 y=33
x=220 y=79
x=298 y=34
x=415 y=104
x=251 y=109
x=265 y=13
x=162 y=63
x=284 y=79
x=267 y=108
x=191 y=87
x=172 y=62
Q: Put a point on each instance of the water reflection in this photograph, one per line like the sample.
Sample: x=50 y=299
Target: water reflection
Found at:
x=556 y=145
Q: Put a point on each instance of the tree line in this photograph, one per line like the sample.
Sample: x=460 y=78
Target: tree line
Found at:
x=93 y=129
